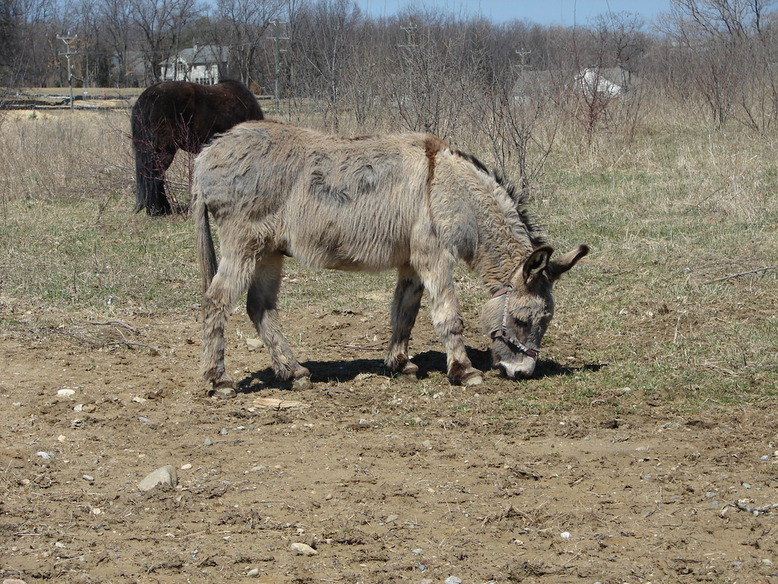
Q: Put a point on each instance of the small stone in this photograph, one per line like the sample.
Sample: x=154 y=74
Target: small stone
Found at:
x=88 y=478
x=767 y=563
x=253 y=573
x=302 y=549
x=254 y=344
x=452 y=580
x=565 y=535
x=186 y=466
x=427 y=444
x=162 y=476
x=208 y=442
x=45 y=455
x=66 y=392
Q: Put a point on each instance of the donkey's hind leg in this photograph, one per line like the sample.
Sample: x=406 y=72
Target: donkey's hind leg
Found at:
x=405 y=309
x=227 y=286
x=262 y=308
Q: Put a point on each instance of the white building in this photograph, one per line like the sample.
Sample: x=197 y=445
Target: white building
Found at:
x=199 y=64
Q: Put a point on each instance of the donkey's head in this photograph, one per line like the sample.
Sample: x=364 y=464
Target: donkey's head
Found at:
x=517 y=316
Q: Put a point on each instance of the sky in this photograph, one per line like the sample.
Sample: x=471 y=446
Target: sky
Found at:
x=545 y=12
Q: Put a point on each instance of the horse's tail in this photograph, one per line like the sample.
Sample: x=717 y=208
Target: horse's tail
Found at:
x=149 y=182
x=206 y=252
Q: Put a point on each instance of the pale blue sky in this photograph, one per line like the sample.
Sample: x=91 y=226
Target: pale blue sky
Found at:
x=546 y=12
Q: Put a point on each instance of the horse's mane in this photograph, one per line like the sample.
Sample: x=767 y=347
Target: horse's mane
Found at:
x=519 y=198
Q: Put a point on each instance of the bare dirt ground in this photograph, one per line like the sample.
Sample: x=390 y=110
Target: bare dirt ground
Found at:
x=387 y=480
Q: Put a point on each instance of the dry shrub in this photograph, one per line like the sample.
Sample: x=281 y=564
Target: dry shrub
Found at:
x=65 y=154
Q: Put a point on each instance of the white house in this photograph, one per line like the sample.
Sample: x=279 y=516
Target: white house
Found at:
x=199 y=64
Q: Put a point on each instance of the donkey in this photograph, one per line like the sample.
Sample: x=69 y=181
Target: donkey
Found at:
x=405 y=201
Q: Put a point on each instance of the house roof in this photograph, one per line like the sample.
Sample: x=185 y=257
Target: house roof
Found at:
x=200 y=55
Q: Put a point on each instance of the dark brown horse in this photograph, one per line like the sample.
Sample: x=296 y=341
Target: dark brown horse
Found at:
x=176 y=115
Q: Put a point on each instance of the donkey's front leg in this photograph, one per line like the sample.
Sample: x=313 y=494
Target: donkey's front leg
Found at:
x=262 y=308
x=405 y=308
x=447 y=319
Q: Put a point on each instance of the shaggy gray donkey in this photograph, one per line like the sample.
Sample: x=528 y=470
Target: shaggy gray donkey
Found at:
x=405 y=201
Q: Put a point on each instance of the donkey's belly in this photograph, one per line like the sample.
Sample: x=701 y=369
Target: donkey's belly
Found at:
x=338 y=257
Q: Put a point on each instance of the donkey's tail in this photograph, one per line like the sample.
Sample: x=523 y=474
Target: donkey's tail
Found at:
x=206 y=252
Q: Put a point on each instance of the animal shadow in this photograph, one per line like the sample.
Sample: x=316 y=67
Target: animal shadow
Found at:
x=429 y=362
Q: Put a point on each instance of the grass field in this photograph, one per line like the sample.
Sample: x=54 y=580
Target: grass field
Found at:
x=677 y=298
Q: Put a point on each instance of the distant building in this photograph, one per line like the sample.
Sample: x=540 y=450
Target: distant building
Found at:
x=199 y=64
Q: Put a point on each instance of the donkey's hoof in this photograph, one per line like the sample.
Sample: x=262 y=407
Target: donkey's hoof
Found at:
x=473 y=380
x=471 y=377
x=301 y=383
x=224 y=392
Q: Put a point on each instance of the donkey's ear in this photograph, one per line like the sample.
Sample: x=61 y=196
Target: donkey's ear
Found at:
x=536 y=263
x=560 y=265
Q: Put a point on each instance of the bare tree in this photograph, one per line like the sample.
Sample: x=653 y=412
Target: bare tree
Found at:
x=161 y=24
x=242 y=25
x=321 y=47
x=723 y=41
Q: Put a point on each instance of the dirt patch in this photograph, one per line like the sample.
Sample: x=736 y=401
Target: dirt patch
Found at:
x=387 y=480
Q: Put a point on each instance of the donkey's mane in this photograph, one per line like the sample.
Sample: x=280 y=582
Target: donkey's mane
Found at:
x=519 y=199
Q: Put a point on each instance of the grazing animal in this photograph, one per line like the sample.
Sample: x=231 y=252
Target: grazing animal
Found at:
x=404 y=201
x=176 y=115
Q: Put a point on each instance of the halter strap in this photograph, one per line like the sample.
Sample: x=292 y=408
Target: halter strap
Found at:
x=502 y=332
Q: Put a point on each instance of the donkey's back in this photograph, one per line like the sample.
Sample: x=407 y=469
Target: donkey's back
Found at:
x=330 y=202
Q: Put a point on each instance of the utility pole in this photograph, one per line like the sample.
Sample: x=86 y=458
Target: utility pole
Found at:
x=67 y=54
x=409 y=32
x=277 y=54
x=523 y=54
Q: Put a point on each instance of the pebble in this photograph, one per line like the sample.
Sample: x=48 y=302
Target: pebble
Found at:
x=165 y=475
x=45 y=455
x=303 y=549
x=452 y=580
x=253 y=573
x=66 y=392
x=88 y=478
x=208 y=442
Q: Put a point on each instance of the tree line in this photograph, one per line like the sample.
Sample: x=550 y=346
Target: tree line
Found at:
x=720 y=53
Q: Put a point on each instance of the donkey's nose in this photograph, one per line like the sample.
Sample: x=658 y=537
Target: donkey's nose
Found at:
x=522 y=370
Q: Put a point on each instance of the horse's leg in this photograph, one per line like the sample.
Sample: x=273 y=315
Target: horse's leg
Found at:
x=436 y=267
x=262 y=308
x=157 y=202
x=405 y=308
x=230 y=281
